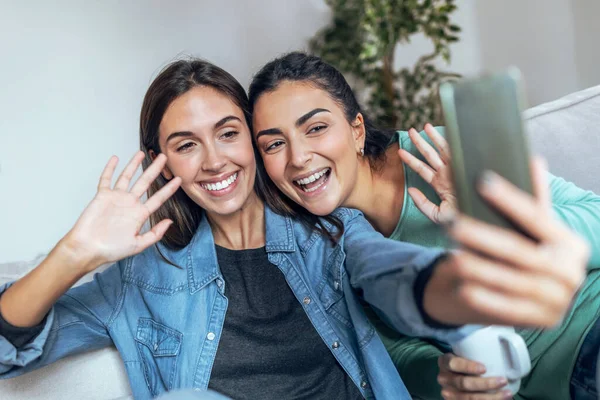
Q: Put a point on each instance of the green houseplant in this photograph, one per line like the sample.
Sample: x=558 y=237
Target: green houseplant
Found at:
x=362 y=41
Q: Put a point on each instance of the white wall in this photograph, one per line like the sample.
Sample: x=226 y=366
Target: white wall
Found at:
x=73 y=74
x=72 y=77
x=537 y=36
x=587 y=41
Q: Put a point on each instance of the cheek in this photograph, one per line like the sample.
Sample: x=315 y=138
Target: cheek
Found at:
x=275 y=165
x=337 y=147
x=184 y=167
x=242 y=155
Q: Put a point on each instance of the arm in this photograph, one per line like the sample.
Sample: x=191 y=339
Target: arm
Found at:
x=108 y=230
x=498 y=277
x=385 y=272
x=76 y=323
x=580 y=210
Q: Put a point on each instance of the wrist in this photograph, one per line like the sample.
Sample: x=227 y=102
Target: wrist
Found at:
x=439 y=303
x=76 y=256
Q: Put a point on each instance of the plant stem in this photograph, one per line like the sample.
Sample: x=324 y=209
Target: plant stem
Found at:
x=388 y=84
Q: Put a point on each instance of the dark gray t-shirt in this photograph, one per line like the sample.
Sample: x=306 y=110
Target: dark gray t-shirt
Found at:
x=269 y=349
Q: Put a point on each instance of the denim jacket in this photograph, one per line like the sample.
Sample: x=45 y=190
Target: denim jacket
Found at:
x=166 y=321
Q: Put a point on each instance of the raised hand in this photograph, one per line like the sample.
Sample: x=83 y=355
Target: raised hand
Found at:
x=502 y=277
x=109 y=228
x=436 y=172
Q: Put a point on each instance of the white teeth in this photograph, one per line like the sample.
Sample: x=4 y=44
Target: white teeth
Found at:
x=312 y=178
x=220 y=185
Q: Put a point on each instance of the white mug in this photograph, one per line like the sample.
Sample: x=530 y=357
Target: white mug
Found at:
x=502 y=351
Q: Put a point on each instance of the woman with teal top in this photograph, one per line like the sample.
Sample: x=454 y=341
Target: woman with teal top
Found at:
x=321 y=151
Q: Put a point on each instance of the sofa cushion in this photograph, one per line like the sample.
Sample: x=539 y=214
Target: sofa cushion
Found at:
x=567 y=133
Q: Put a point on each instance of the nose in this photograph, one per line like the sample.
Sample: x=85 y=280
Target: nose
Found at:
x=300 y=154
x=214 y=160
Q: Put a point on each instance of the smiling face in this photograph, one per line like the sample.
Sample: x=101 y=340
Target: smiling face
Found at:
x=310 y=150
x=207 y=143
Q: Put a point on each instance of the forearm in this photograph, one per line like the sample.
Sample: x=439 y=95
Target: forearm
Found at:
x=27 y=301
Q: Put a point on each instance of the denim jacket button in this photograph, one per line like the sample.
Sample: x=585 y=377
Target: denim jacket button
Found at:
x=306 y=300
x=219 y=282
x=336 y=285
x=210 y=336
x=364 y=384
x=335 y=344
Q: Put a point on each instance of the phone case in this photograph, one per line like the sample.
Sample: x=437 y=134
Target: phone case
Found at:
x=485 y=132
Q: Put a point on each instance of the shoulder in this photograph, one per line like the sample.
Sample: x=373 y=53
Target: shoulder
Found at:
x=158 y=269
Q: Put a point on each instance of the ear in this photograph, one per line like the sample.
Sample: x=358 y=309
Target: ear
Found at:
x=166 y=172
x=359 y=132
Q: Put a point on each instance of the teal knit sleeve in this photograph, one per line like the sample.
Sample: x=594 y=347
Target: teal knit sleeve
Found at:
x=580 y=210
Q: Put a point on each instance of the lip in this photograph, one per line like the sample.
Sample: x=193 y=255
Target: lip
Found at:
x=315 y=193
x=221 y=192
x=218 y=179
x=314 y=171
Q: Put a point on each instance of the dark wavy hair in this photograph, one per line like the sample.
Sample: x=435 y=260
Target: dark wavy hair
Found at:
x=174 y=80
x=302 y=67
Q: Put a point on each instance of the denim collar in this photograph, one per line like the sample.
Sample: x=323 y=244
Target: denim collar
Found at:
x=279 y=232
x=199 y=258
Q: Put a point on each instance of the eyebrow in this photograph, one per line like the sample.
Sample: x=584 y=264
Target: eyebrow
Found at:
x=226 y=120
x=175 y=135
x=300 y=121
x=219 y=124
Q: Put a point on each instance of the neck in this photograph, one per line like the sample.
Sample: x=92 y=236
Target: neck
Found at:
x=244 y=229
x=380 y=194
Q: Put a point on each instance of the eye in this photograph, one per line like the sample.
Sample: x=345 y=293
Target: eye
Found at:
x=229 y=135
x=274 y=145
x=317 y=128
x=185 y=147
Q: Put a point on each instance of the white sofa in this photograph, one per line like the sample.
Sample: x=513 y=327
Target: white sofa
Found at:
x=565 y=131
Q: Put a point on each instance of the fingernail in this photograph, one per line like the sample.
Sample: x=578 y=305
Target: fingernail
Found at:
x=487 y=178
x=480 y=369
x=507 y=394
x=501 y=381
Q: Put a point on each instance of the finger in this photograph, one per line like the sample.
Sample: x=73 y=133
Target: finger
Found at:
x=422 y=169
x=154 y=235
x=159 y=198
x=453 y=363
x=511 y=247
x=430 y=154
x=427 y=207
x=453 y=394
x=520 y=207
x=496 y=242
x=490 y=307
x=107 y=173
x=509 y=281
x=439 y=142
x=541 y=188
x=465 y=383
x=127 y=174
x=150 y=174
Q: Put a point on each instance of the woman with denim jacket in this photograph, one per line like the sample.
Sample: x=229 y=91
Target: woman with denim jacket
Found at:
x=252 y=299
x=307 y=121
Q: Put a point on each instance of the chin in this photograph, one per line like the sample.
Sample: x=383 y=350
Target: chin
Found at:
x=319 y=209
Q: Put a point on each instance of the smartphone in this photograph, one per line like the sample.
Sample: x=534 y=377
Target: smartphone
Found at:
x=485 y=131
